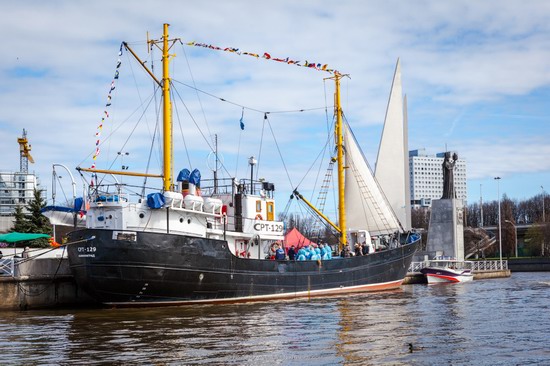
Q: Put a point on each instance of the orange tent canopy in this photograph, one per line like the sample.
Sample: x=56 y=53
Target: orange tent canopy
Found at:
x=294 y=237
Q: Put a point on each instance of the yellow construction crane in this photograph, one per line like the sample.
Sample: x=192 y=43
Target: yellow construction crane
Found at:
x=25 y=154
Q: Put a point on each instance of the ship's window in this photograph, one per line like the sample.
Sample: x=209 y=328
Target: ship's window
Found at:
x=258 y=206
x=270 y=211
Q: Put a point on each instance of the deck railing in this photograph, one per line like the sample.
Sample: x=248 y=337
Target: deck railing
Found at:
x=6 y=267
x=479 y=266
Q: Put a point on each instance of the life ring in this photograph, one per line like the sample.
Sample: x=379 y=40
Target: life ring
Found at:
x=259 y=217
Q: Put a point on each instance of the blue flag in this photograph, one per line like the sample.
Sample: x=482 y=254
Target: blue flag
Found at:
x=241 y=120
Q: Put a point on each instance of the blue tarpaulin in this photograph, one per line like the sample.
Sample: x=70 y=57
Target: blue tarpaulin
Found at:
x=155 y=200
x=195 y=177
x=78 y=204
x=183 y=175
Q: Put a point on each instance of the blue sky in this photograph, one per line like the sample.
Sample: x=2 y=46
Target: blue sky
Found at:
x=475 y=75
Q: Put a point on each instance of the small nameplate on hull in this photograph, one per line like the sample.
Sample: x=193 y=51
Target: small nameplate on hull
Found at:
x=264 y=227
x=125 y=235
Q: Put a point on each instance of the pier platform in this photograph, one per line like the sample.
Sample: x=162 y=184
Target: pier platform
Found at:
x=27 y=283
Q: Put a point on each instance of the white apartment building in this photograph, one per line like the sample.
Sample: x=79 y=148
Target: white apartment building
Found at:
x=16 y=189
x=426 y=176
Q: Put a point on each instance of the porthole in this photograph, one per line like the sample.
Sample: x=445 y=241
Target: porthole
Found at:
x=188 y=221
x=141 y=215
x=181 y=219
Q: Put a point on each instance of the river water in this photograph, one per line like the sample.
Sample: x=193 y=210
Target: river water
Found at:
x=486 y=322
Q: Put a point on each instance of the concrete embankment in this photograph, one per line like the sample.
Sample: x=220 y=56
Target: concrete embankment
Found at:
x=40 y=283
x=529 y=264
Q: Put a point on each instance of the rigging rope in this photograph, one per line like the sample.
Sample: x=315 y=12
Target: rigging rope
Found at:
x=183 y=136
x=245 y=107
x=239 y=144
x=261 y=144
x=278 y=149
x=196 y=91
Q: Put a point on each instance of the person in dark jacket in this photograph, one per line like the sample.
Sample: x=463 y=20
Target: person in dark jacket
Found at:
x=291 y=253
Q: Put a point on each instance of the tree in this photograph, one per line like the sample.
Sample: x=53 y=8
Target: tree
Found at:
x=533 y=240
x=420 y=218
x=20 y=225
x=34 y=221
x=508 y=231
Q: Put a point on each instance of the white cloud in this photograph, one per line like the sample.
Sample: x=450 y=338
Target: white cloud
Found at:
x=455 y=56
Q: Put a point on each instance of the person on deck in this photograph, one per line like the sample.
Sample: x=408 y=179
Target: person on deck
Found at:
x=365 y=248
x=291 y=253
x=328 y=249
x=279 y=253
x=346 y=252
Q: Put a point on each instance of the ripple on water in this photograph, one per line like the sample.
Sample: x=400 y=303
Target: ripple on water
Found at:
x=490 y=322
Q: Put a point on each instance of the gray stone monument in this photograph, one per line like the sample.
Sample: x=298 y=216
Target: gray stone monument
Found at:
x=446 y=230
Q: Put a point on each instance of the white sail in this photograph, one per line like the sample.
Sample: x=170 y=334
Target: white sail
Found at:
x=392 y=168
x=407 y=224
x=366 y=206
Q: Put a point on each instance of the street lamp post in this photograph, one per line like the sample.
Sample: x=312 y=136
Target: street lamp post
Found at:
x=543 y=221
x=499 y=223
x=481 y=205
x=516 y=234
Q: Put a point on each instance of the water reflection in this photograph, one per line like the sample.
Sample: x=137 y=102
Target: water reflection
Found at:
x=502 y=321
x=375 y=327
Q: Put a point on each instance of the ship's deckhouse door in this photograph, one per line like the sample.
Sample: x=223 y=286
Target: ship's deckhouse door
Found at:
x=270 y=211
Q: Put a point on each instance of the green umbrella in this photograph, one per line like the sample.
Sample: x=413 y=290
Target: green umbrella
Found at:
x=15 y=237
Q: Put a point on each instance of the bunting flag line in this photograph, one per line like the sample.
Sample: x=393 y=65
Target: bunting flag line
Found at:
x=106 y=112
x=267 y=56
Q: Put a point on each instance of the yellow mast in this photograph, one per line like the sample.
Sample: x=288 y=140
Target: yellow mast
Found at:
x=339 y=140
x=167 y=112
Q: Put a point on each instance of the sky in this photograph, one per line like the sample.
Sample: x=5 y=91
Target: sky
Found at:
x=475 y=74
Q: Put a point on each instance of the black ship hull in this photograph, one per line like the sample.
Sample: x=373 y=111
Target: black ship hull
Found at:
x=166 y=269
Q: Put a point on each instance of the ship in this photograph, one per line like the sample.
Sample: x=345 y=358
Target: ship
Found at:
x=200 y=241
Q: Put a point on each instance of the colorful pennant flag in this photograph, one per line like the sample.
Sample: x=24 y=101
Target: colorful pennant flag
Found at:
x=267 y=56
x=106 y=112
